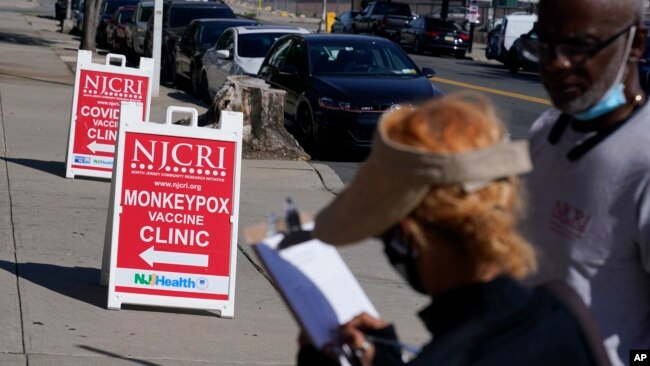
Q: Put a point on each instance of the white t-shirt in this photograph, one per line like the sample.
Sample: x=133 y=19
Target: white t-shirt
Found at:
x=589 y=221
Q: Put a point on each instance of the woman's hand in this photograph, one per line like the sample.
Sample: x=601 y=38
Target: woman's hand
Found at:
x=352 y=334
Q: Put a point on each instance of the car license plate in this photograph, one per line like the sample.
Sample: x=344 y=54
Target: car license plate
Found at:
x=449 y=38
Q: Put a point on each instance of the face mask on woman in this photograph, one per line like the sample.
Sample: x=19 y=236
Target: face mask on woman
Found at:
x=402 y=257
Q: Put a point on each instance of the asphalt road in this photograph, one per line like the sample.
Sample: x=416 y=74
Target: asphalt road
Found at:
x=519 y=98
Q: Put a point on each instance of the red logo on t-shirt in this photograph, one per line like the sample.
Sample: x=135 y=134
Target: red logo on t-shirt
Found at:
x=568 y=221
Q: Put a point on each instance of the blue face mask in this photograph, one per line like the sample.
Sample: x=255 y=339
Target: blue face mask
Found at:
x=614 y=98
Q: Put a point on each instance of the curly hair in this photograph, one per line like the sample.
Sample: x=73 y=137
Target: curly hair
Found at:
x=480 y=224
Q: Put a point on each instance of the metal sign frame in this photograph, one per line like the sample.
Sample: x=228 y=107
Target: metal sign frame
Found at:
x=193 y=138
x=97 y=160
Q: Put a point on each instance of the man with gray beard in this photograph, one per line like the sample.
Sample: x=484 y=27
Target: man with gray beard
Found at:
x=589 y=192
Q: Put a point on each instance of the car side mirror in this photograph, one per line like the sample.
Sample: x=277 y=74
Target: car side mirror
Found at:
x=428 y=72
x=288 y=70
x=223 y=54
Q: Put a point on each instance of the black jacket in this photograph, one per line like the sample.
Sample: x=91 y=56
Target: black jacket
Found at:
x=495 y=323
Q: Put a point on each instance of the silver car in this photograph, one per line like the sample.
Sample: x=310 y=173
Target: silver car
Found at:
x=137 y=28
x=239 y=51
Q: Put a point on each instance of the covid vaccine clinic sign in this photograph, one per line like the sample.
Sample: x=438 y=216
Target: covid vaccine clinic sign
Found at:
x=99 y=90
x=172 y=227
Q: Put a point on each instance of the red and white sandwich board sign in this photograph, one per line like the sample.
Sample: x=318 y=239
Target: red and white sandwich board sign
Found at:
x=98 y=91
x=174 y=212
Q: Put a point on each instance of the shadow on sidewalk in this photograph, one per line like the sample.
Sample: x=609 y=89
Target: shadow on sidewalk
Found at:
x=53 y=167
x=81 y=283
x=23 y=39
x=115 y=355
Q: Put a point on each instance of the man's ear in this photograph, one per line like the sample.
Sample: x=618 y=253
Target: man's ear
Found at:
x=639 y=43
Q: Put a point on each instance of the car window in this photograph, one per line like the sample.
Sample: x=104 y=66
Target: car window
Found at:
x=109 y=7
x=181 y=17
x=392 y=9
x=256 y=44
x=296 y=57
x=125 y=16
x=190 y=33
x=210 y=32
x=347 y=57
x=145 y=12
x=279 y=53
x=225 y=40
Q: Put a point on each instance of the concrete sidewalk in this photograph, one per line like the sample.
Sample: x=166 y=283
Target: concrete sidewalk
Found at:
x=52 y=309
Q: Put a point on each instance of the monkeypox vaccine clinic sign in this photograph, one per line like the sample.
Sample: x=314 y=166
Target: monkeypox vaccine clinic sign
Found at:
x=99 y=90
x=174 y=212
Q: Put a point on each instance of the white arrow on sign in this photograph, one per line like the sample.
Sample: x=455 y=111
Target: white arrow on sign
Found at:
x=184 y=259
x=94 y=147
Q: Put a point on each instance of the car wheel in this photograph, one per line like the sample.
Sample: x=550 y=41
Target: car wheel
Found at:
x=305 y=128
x=205 y=93
x=460 y=54
x=513 y=62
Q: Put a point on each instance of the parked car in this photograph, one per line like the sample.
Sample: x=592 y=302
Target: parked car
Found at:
x=343 y=22
x=512 y=27
x=338 y=85
x=426 y=33
x=522 y=53
x=177 y=14
x=199 y=35
x=137 y=27
x=382 y=18
x=115 y=30
x=240 y=51
x=493 y=44
x=107 y=10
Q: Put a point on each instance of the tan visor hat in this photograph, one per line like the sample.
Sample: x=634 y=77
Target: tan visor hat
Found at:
x=396 y=177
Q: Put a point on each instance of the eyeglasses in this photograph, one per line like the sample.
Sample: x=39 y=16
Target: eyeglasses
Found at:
x=576 y=54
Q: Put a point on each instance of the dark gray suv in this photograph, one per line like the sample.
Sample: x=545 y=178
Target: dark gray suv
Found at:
x=177 y=14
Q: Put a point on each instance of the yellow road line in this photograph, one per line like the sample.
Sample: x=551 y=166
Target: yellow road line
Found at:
x=493 y=91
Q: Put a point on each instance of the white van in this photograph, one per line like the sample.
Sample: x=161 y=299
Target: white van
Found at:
x=513 y=27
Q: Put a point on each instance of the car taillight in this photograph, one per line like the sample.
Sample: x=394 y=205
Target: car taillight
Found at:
x=384 y=21
x=464 y=37
x=433 y=34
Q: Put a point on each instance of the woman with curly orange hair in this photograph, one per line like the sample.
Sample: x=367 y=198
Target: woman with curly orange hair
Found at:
x=440 y=189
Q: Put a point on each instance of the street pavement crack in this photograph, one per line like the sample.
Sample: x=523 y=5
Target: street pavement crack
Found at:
x=322 y=180
x=5 y=154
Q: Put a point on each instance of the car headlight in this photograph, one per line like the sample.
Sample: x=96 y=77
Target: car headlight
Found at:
x=329 y=103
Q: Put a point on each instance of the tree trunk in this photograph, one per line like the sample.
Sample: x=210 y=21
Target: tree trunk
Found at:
x=263 y=108
x=91 y=18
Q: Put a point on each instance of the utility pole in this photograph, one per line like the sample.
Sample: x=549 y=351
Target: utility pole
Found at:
x=323 y=18
x=445 y=9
